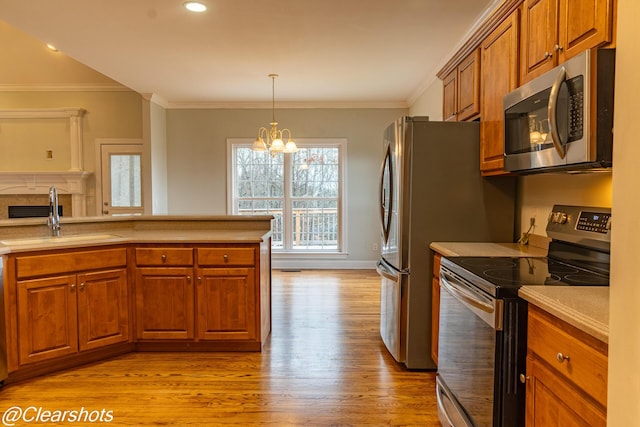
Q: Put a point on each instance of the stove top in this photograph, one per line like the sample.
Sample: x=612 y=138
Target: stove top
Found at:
x=502 y=274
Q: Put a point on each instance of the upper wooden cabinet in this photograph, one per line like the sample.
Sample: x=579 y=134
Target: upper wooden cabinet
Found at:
x=461 y=90
x=499 y=76
x=555 y=30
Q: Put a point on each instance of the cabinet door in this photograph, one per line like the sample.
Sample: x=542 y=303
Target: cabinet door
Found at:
x=583 y=24
x=227 y=308
x=47 y=321
x=103 y=309
x=469 y=86
x=164 y=303
x=450 y=97
x=550 y=401
x=539 y=33
x=499 y=77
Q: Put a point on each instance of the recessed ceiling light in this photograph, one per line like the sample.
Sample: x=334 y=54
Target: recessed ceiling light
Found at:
x=51 y=47
x=195 y=6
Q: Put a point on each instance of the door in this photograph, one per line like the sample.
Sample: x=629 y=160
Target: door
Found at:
x=392 y=311
x=103 y=310
x=390 y=196
x=47 y=320
x=227 y=307
x=164 y=303
x=122 y=172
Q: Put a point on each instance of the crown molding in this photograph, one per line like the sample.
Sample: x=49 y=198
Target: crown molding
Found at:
x=286 y=105
x=63 y=87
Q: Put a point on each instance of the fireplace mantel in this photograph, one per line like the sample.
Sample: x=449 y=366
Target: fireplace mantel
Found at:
x=67 y=182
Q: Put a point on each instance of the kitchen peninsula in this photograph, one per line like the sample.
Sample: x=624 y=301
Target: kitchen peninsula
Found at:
x=111 y=285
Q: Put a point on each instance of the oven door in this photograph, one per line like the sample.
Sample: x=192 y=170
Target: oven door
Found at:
x=470 y=330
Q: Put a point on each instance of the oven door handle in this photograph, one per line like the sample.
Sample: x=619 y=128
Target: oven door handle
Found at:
x=489 y=310
x=552 y=112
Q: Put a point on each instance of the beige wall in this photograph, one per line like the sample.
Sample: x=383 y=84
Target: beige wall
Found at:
x=624 y=319
x=197 y=169
x=429 y=103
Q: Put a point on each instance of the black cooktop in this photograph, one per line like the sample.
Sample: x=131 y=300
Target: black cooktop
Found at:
x=511 y=273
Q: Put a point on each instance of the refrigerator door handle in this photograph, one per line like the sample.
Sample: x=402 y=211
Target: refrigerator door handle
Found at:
x=385 y=208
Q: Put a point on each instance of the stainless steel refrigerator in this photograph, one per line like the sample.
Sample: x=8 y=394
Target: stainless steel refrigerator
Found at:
x=430 y=190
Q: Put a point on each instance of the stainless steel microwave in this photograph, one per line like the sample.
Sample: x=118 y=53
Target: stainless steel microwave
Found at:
x=563 y=119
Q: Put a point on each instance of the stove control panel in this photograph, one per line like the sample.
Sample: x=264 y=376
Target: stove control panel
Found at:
x=588 y=226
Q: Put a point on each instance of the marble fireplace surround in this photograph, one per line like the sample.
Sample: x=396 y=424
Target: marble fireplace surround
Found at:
x=23 y=184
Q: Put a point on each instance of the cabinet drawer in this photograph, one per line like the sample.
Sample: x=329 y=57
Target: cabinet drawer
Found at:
x=585 y=362
x=226 y=256
x=63 y=263
x=164 y=256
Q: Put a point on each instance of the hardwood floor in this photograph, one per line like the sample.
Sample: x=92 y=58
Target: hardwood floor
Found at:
x=323 y=365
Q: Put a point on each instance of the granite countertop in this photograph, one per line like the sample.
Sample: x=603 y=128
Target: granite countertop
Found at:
x=585 y=307
x=486 y=249
x=84 y=232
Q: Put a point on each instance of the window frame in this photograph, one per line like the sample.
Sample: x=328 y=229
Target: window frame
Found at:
x=288 y=198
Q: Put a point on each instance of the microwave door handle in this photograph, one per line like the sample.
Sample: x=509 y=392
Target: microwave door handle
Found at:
x=552 y=110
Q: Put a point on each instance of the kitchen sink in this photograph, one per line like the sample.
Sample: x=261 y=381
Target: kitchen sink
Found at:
x=59 y=239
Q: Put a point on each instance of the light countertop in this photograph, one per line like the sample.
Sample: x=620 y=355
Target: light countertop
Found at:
x=585 y=307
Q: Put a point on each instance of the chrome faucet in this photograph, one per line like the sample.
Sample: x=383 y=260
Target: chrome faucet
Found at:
x=54 y=217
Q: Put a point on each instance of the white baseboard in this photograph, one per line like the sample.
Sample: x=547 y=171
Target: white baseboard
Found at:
x=322 y=264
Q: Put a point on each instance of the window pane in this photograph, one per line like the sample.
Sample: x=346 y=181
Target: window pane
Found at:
x=315 y=224
x=126 y=186
x=259 y=174
x=266 y=207
x=316 y=172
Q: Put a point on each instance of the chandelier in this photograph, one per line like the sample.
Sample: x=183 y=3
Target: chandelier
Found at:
x=271 y=140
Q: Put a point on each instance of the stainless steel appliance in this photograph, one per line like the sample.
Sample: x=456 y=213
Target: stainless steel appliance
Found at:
x=430 y=190
x=483 y=323
x=562 y=120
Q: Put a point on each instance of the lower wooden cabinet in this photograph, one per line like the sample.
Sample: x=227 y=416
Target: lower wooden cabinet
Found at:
x=435 y=307
x=62 y=315
x=566 y=374
x=164 y=303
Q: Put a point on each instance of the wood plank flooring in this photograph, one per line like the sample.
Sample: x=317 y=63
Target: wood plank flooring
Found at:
x=324 y=365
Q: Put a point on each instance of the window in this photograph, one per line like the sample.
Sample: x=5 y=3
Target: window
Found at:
x=303 y=191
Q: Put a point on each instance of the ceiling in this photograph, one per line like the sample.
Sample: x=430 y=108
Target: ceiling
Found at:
x=326 y=52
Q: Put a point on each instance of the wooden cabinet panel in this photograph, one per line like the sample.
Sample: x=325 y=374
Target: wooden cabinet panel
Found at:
x=469 y=86
x=47 y=322
x=226 y=256
x=164 y=256
x=583 y=24
x=461 y=90
x=164 y=303
x=553 y=402
x=227 y=308
x=435 y=307
x=67 y=262
x=499 y=77
x=538 y=37
x=554 y=31
x=103 y=309
x=450 y=97
x=586 y=359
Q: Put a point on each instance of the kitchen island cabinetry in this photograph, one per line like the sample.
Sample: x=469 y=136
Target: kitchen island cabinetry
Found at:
x=213 y=300
x=554 y=31
x=69 y=303
x=435 y=307
x=499 y=76
x=566 y=374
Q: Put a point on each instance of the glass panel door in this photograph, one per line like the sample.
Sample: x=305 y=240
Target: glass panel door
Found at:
x=122 y=180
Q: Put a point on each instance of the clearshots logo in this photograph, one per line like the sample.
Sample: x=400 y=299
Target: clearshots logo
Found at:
x=33 y=414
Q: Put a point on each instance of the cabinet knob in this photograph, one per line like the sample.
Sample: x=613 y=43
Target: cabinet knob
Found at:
x=548 y=55
x=72 y=287
x=562 y=357
x=188 y=279
x=225 y=257
x=524 y=378
x=163 y=257
x=557 y=48
x=81 y=286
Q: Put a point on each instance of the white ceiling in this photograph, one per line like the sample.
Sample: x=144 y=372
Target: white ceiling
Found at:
x=327 y=52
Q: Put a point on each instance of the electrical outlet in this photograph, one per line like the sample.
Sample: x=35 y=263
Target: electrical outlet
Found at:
x=374 y=247
x=532 y=221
